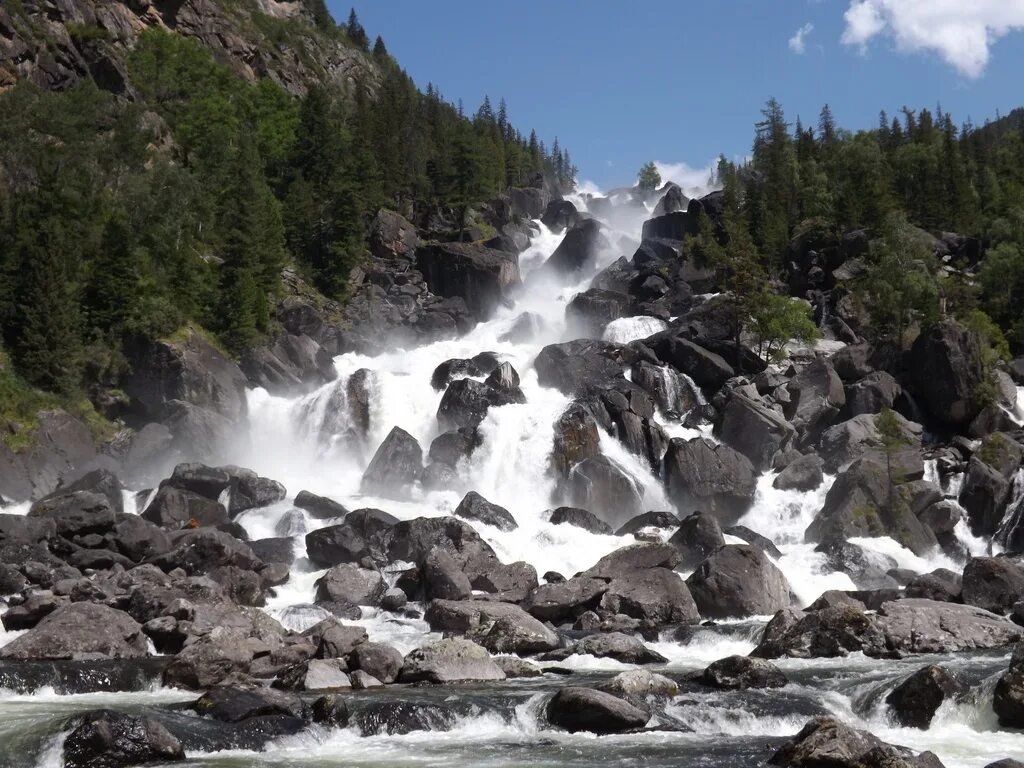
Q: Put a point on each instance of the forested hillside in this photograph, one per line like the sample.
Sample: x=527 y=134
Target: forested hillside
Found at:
x=175 y=194
x=933 y=212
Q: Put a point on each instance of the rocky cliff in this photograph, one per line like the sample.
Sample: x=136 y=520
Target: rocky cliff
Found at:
x=55 y=43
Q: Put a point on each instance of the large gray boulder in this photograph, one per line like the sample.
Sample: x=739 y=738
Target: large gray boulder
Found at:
x=655 y=595
x=754 y=430
x=865 y=501
x=577 y=709
x=1008 y=699
x=449 y=661
x=993 y=583
x=606 y=489
x=701 y=474
x=946 y=370
x=475 y=507
x=395 y=467
x=917 y=698
x=80 y=632
x=578 y=249
x=108 y=739
x=742 y=672
x=697 y=538
x=348 y=583
x=844 y=443
x=481 y=276
x=816 y=397
x=737 y=581
x=826 y=742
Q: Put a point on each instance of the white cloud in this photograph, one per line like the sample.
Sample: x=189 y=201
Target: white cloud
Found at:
x=696 y=182
x=961 y=32
x=798 y=42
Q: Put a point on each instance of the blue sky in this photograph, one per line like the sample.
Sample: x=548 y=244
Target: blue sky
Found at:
x=678 y=82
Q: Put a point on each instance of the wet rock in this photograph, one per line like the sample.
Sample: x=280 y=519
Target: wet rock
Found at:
x=634 y=557
x=872 y=394
x=604 y=487
x=464 y=405
x=99 y=481
x=333 y=639
x=1008 y=698
x=511 y=582
x=444 y=578
x=336 y=544
x=412 y=540
x=655 y=595
x=449 y=661
x=518 y=632
x=29 y=613
x=77 y=513
x=825 y=741
x=590 y=311
x=514 y=667
x=80 y=631
x=319 y=507
x=941 y=584
x=611 y=645
x=983 y=497
x=706 y=368
x=993 y=583
x=559 y=215
x=698 y=536
x=394 y=599
x=174 y=508
x=316 y=675
x=395 y=467
x=585 y=709
x=915 y=700
x=635 y=685
x=350 y=583
x=803 y=474
x=843 y=443
x=946 y=371
x=108 y=739
x=742 y=672
x=396 y=718
x=275 y=550
x=381 y=661
x=331 y=711
x=579 y=247
x=864 y=502
x=451 y=447
x=754 y=430
x=580 y=518
x=565 y=600
x=702 y=474
x=221 y=656
x=754 y=539
x=251 y=491
x=816 y=397
x=580 y=366
x=657 y=519
x=738 y=580
x=232 y=705
x=202 y=550
x=478 y=275
x=475 y=507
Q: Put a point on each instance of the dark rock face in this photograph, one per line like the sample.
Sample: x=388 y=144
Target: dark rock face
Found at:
x=395 y=466
x=993 y=583
x=579 y=367
x=738 y=580
x=576 y=438
x=475 y=507
x=173 y=508
x=601 y=485
x=480 y=276
x=413 y=540
x=580 y=518
x=585 y=709
x=984 y=497
x=843 y=443
x=63 y=447
x=701 y=474
x=1008 y=701
x=863 y=502
x=108 y=739
x=872 y=393
x=444 y=578
x=676 y=225
x=946 y=370
x=754 y=430
x=708 y=369
x=578 y=248
x=560 y=215
x=349 y=583
x=696 y=539
x=816 y=398
x=915 y=700
x=565 y=600
x=825 y=742
x=590 y=311
x=655 y=595
x=742 y=672
x=288 y=364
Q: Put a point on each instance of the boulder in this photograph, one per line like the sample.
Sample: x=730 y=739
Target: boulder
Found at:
x=579 y=367
x=335 y=544
x=518 y=632
x=636 y=685
x=706 y=475
x=754 y=539
x=655 y=595
x=674 y=225
x=350 y=583
x=816 y=397
x=1008 y=697
x=706 y=368
x=741 y=672
x=175 y=508
x=802 y=474
x=844 y=443
x=381 y=661
x=863 y=501
x=580 y=518
x=576 y=438
x=983 y=496
x=584 y=709
x=915 y=700
x=634 y=557
x=611 y=645
x=61 y=447
x=559 y=215
x=826 y=742
x=319 y=507
x=475 y=507
x=565 y=600
x=316 y=675
x=601 y=485
x=108 y=739
x=654 y=519
x=228 y=704
x=738 y=580
x=413 y=540
x=450 y=448
x=589 y=312
x=221 y=656
x=993 y=583
x=202 y=550
x=396 y=718
x=392 y=236
x=754 y=430
x=945 y=364
x=100 y=481
x=395 y=466
x=697 y=537
x=449 y=661
x=444 y=578
x=872 y=394
x=481 y=276
x=80 y=631
x=940 y=584
x=578 y=249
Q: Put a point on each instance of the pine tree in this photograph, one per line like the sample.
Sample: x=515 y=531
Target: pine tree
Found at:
x=380 y=51
x=321 y=15
x=648 y=179
x=355 y=31
x=113 y=286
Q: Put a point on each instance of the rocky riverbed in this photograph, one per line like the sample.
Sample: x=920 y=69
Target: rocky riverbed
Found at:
x=572 y=523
